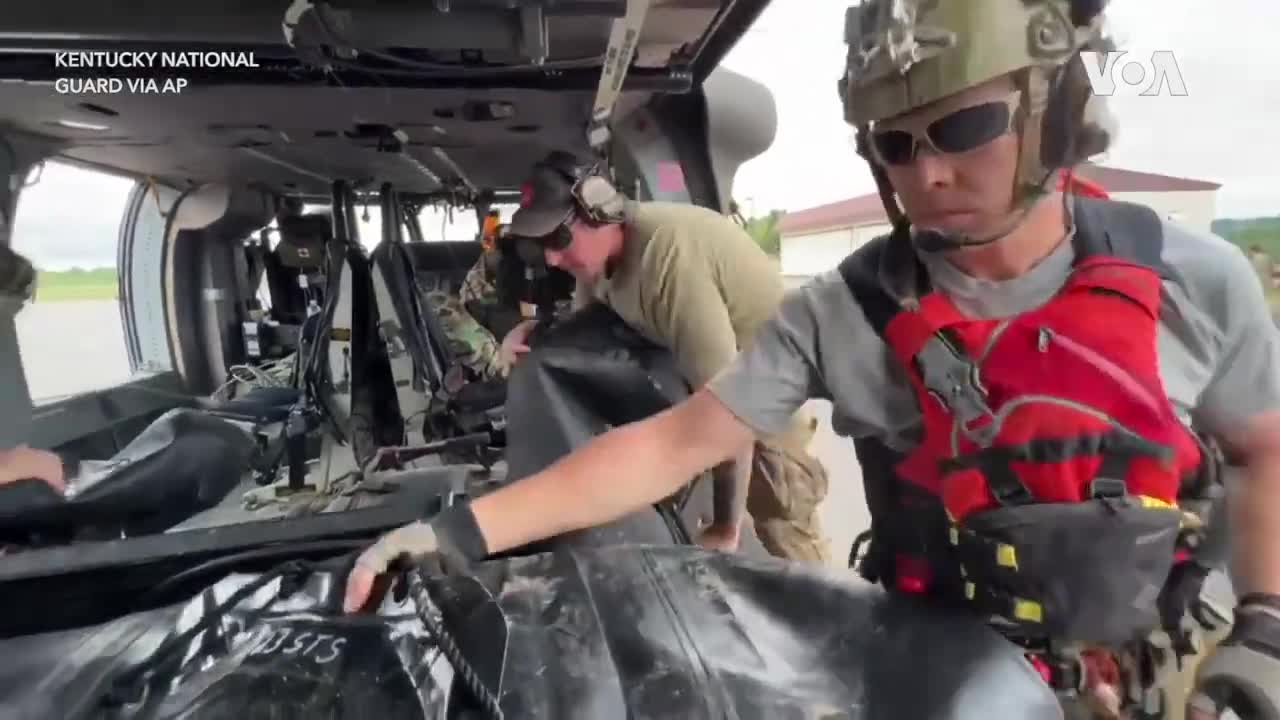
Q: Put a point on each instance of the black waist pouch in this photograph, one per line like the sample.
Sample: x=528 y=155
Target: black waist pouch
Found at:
x=1088 y=572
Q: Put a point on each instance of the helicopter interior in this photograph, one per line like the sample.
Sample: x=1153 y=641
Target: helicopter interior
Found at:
x=291 y=376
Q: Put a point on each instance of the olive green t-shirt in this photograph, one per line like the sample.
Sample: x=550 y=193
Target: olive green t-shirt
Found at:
x=693 y=281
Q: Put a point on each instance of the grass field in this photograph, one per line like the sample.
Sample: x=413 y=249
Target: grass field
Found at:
x=77 y=284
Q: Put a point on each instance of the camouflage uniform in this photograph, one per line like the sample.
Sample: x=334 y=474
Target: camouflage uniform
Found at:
x=479 y=286
x=787 y=486
x=472 y=345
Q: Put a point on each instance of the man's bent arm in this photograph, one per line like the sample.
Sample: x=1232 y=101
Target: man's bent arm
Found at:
x=617 y=473
x=730 y=482
x=1241 y=406
x=1255 y=509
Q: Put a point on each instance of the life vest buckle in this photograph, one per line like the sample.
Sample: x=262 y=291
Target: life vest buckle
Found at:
x=954 y=381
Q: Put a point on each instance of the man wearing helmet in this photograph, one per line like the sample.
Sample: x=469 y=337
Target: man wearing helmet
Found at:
x=1020 y=370
x=693 y=281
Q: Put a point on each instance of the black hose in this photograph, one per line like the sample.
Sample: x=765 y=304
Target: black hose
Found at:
x=470 y=678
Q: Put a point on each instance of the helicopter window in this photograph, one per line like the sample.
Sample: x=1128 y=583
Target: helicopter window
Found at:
x=76 y=309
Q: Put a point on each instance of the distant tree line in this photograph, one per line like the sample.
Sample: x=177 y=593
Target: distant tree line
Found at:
x=764 y=229
x=1249 y=233
x=80 y=276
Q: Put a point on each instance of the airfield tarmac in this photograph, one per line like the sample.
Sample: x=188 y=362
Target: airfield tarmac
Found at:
x=72 y=346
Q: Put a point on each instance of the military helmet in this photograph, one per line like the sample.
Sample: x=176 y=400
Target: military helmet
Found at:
x=906 y=54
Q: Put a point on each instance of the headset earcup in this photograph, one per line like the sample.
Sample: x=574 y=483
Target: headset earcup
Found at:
x=600 y=199
x=1060 y=122
x=1078 y=124
x=1097 y=129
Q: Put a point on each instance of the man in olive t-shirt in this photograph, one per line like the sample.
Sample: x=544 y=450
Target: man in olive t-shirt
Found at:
x=692 y=281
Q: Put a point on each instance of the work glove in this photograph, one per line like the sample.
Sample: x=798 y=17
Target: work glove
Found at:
x=1243 y=673
x=447 y=544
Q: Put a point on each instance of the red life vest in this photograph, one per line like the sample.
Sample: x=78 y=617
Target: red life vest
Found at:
x=1068 y=386
x=1045 y=484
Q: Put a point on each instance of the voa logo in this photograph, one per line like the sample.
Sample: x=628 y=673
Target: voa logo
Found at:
x=1120 y=73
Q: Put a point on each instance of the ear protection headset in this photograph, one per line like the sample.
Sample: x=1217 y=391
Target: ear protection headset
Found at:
x=597 y=199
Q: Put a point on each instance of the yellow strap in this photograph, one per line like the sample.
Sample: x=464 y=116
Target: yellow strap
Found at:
x=1028 y=611
x=1007 y=556
x=1024 y=610
x=1188 y=520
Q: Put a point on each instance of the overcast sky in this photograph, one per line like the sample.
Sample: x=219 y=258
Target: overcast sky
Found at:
x=1224 y=130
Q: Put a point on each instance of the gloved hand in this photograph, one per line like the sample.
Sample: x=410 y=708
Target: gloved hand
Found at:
x=1243 y=673
x=417 y=540
x=450 y=541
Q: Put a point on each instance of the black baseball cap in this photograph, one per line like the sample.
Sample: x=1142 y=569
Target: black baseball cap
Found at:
x=546 y=198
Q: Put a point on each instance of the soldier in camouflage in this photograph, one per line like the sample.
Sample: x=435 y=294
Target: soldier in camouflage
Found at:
x=472 y=343
x=479 y=288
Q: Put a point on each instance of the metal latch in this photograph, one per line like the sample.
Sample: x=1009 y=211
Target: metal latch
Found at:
x=954 y=381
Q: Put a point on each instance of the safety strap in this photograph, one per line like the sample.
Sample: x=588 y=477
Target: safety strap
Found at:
x=1116 y=448
x=890 y=531
x=861 y=274
x=624 y=36
x=908 y=528
x=398 y=326
x=877 y=462
x=1125 y=230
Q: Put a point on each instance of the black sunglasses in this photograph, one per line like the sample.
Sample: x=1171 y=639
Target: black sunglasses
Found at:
x=557 y=239
x=961 y=131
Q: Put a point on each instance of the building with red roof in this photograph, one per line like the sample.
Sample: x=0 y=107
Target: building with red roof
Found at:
x=815 y=239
